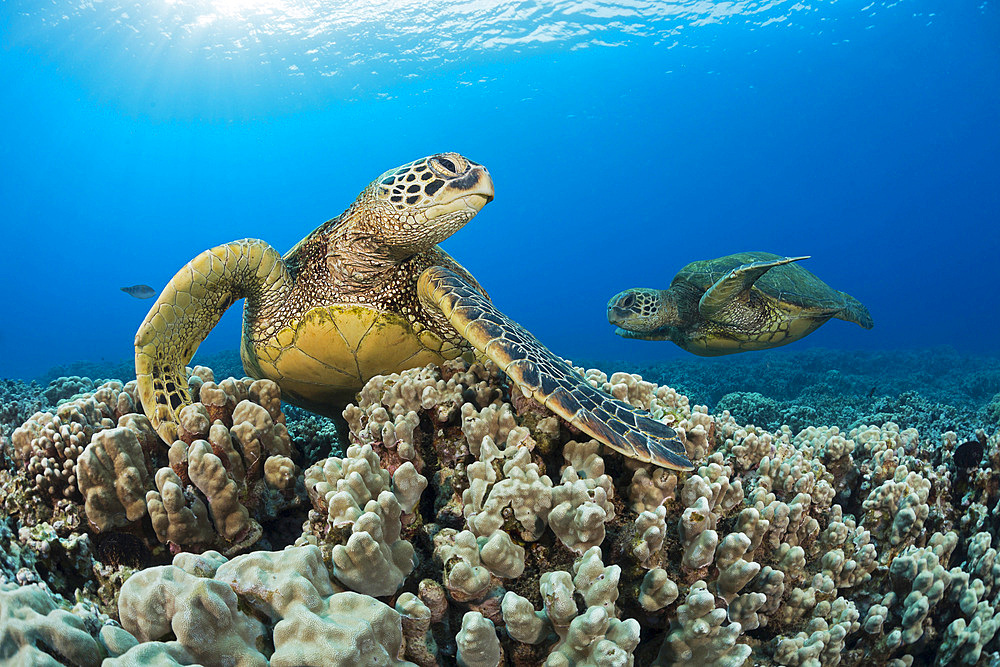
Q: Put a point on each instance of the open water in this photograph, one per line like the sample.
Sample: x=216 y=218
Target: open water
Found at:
x=625 y=140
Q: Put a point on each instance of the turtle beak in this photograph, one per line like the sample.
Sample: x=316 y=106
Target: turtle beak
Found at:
x=475 y=186
x=487 y=185
x=464 y=179
x=620 y=307
x=616 y=315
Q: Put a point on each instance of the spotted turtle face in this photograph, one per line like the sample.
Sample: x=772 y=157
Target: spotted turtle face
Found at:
x=436 y=181
x=431 y=198
x=636 y=309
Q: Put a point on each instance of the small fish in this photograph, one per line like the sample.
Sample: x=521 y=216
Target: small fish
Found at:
x=140 y=291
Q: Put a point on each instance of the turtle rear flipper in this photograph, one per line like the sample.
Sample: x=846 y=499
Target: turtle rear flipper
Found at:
x=740 y=279
x=187 y=309
x=855 y=311
x=550 y=380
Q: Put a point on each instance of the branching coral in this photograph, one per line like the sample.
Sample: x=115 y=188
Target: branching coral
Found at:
x=356 y=518
x=495 y=534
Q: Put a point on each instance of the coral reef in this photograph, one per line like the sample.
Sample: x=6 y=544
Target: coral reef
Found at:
x=933 y=390
x=466 y=526
x=316 y=437
x=18 y=401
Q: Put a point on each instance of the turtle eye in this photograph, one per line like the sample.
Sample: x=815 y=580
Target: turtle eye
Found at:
x=628 y=301
x=444 y=166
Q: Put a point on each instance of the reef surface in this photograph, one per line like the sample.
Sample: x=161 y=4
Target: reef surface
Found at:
x=845 y=517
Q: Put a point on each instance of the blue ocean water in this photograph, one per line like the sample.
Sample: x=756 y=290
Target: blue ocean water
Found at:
x=625 y=140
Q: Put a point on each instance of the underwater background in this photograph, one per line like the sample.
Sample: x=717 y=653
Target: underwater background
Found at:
x=844 y=507
x=625 y=140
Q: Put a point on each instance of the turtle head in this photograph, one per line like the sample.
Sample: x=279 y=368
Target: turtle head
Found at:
x=424 y=202
x=639 y=311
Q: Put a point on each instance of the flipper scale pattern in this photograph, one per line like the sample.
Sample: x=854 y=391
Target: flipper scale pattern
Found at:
x=549 y=379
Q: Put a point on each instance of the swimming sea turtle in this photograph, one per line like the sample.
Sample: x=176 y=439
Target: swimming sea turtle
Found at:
x=367 y=293
x=747 y=301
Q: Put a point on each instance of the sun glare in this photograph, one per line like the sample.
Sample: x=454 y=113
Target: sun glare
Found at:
x=312 y=37
x=243 y=7
x=209 y=10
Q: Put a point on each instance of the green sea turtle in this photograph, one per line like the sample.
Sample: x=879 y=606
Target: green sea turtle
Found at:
x=747 y=301
x=368 y=293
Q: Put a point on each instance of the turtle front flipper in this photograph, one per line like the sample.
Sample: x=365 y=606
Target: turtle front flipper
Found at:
x=740 y=279
x=550 y=380
x=187 y=309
